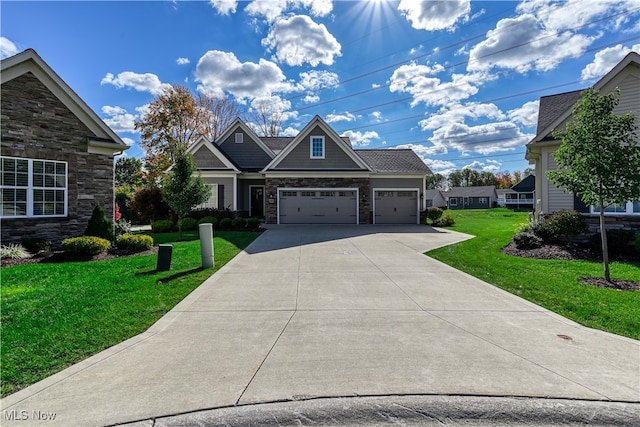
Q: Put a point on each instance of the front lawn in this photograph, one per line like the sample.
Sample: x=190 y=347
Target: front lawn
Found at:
x=54 y=315
x=553 y=284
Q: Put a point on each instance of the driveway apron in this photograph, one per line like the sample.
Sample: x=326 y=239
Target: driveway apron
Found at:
x=328 y=311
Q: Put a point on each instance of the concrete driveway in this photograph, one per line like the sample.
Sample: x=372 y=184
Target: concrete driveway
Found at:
x=336 y=311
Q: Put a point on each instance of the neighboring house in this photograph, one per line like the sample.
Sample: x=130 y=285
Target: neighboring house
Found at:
x=521 y=195
x=315 y=177
x=434 y=198
x=554 y=112
x=502 y=195
x=57 y=154
x=471 y=197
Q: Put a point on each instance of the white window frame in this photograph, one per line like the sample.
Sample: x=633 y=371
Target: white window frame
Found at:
x=595 y=210
x=311 y=153
x=212 y=202
x=453 y=201
x=239 y=138
x=31 y=189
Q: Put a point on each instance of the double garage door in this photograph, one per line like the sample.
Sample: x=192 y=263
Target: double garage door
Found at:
x=340 y=206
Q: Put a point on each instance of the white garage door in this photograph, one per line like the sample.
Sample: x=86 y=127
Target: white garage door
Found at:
x=396 y=206
x=317 y=206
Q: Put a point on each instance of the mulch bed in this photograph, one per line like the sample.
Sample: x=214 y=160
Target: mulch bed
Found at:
x=571 y=251
x=59 y=256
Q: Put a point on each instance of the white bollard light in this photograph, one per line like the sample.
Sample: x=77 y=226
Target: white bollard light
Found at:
x=206 y=244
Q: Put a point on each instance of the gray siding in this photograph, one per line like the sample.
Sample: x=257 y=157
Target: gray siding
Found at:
x=228 y=190
x=559 y=199
x=247 y=155
x=334 y=156
x=205 y=159
x=629 y=96
x=243 y=192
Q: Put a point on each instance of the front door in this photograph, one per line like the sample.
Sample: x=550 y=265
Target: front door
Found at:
x=256 y=208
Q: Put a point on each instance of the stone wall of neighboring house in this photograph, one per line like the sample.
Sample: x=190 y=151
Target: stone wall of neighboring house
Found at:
x=35 y=124
x=272 y=185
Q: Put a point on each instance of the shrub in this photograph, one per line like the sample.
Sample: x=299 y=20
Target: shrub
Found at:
x=239 y=223
x=527 y=240
x=135 y=242
x=36 y=244
x=225 y=223
x=149 y=205
x=253 y=223
x=99 y=225
x=162 y=226
x=434 y=214
x=445 y=221
x=13 y=251
x=637 y=243
x=618 y=241
x=188 y=223
x=85 y=245
x=209 y=220
x=564 y=223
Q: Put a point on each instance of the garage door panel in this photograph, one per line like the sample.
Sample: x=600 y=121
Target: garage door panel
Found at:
x=318 y=207
x=396 y=207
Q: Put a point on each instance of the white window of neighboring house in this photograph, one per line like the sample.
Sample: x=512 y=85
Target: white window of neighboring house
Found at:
x=482 y=200
x=629 y=208
x=317 y=147
x=33 y=188
x=212 y=202
x=239 y=138
x=453 y=202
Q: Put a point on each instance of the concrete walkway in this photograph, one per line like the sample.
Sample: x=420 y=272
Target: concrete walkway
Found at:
x=337 y=311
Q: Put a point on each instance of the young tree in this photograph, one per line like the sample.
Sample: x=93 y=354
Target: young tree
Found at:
x=182 y=190
x=599 y=157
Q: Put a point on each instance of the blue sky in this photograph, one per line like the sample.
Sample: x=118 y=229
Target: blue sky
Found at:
x=458 y=81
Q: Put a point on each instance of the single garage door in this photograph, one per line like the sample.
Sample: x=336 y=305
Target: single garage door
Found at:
x=313 y=206
x=396 y=206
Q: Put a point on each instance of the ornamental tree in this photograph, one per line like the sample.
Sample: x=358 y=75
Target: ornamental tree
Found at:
x=599 y=157
x=182 y=190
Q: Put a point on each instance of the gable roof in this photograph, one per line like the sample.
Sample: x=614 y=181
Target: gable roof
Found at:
x=204 y=143
x=105 y=139
x=433 y=195
x=557 y=108
x=237 y=123
x=393 y=161
x=340 y=142
x=527 y=185
x=481 y=191
x=278 y=143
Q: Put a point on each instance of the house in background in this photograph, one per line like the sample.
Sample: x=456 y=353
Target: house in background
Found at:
x=502 y=195
x=554 y=112
x=482 y=197
x=57 y=154
x=434 y=198
x=316 y=177
x=522 y=195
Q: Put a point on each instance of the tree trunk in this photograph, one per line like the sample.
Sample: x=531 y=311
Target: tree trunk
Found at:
x=605 y=248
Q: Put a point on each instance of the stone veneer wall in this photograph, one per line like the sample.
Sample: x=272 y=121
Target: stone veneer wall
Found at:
x=629 y=222
x=35 y=124
x=272 y=185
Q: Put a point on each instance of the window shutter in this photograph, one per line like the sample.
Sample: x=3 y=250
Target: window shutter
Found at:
x=220 y=196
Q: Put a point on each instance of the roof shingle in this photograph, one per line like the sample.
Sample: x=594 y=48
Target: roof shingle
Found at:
x=393 y=161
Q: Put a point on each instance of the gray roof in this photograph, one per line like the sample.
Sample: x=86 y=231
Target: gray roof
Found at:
x=553 y=106
x=527 y=185
x=393 y=161
x=433 y=194
x=278 y=143
x=503 y=191
x=484 y=191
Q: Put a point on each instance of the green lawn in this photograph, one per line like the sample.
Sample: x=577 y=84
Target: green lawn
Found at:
x=552 y=284
x=54 y=315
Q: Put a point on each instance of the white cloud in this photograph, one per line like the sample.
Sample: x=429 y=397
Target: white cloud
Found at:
x=605 y=60
x=527 y=115
x=377 y=116
x=435 y=15
x=485 y=138
x=119 y=119
x=224 y=7
x=146 y=82
x=417 y=80
x=344 y=117
x=525 y=43
x=290 y=131
x=361 y=139
x=219 y=72
x=458 y=113
x=128 y=141
x=483 y=167
x=297 y=40
x=272 y=9
x=7 y=48
x=424 y=150
x=443 y=167
x=317 y=80
x=310 y=99
x=182 y=61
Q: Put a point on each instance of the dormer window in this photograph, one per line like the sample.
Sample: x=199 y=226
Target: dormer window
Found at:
x=239 y=138
x=317 y=147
